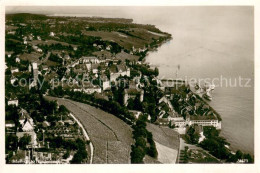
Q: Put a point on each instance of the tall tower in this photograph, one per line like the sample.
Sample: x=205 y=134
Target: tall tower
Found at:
x=125 y=97
x=142 y=96
x=35 y=74
x=35 y=71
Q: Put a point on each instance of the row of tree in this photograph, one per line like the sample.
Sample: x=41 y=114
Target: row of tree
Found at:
x=144 y=143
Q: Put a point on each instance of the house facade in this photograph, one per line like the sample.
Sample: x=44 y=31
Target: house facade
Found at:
x=133 y=93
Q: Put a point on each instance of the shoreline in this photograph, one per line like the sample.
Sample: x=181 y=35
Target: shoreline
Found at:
x=230 y=148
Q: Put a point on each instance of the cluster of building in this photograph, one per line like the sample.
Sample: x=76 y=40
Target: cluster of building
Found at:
x=91 y=68
x=38 y=150
x=202 y=115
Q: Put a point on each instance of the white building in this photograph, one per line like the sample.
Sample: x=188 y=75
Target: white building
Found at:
x=35 y=75
x=35 y=71
x=94 y=68
x=108 y=47
x=9 y=124
x=106 y=85
x=204 y=122
x=17 y=59
x=45 y=68
x=39 y=38
x=13 y=102
x=178 y=122
x=90 y=59
x=133 y=93
x=92 y=90
x=13 y=80
x=121 y=70
x=14 y=70
x=181 y=122
x=52 y=34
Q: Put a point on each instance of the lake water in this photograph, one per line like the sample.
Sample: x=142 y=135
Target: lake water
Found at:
x=208 y=42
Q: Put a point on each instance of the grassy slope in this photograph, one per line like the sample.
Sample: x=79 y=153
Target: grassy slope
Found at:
x=165 y=136
x=167 y=142
x=111 y=137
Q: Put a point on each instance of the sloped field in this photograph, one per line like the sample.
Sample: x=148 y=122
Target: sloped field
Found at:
x=111 y=137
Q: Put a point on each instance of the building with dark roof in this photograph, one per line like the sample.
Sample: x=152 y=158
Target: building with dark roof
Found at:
x=133 y=93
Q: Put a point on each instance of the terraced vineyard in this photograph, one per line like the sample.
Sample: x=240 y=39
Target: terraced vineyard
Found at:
x=111 y=137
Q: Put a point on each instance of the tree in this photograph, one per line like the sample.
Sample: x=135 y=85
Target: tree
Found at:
x=249 y=158
x=24 y=141
x=140 y=141
x=137 y=154
x=156 y=71
x=63 y=109
x=11 y=142
x=66 y=155
x=239 y=154
x=137 y=103
x=192 y=136
x=79 y=156
x=152 y=151
x=58 y=91
x=130 y=104
x=81 y=144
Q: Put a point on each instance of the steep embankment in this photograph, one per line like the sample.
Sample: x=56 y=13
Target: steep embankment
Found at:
x=167 y=143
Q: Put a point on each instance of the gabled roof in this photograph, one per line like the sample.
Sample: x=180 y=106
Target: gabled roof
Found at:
x=27 y=122
x=89 y=57
x=14 y=68
x=123 y=56
x=113 y=69
x=133 y=91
